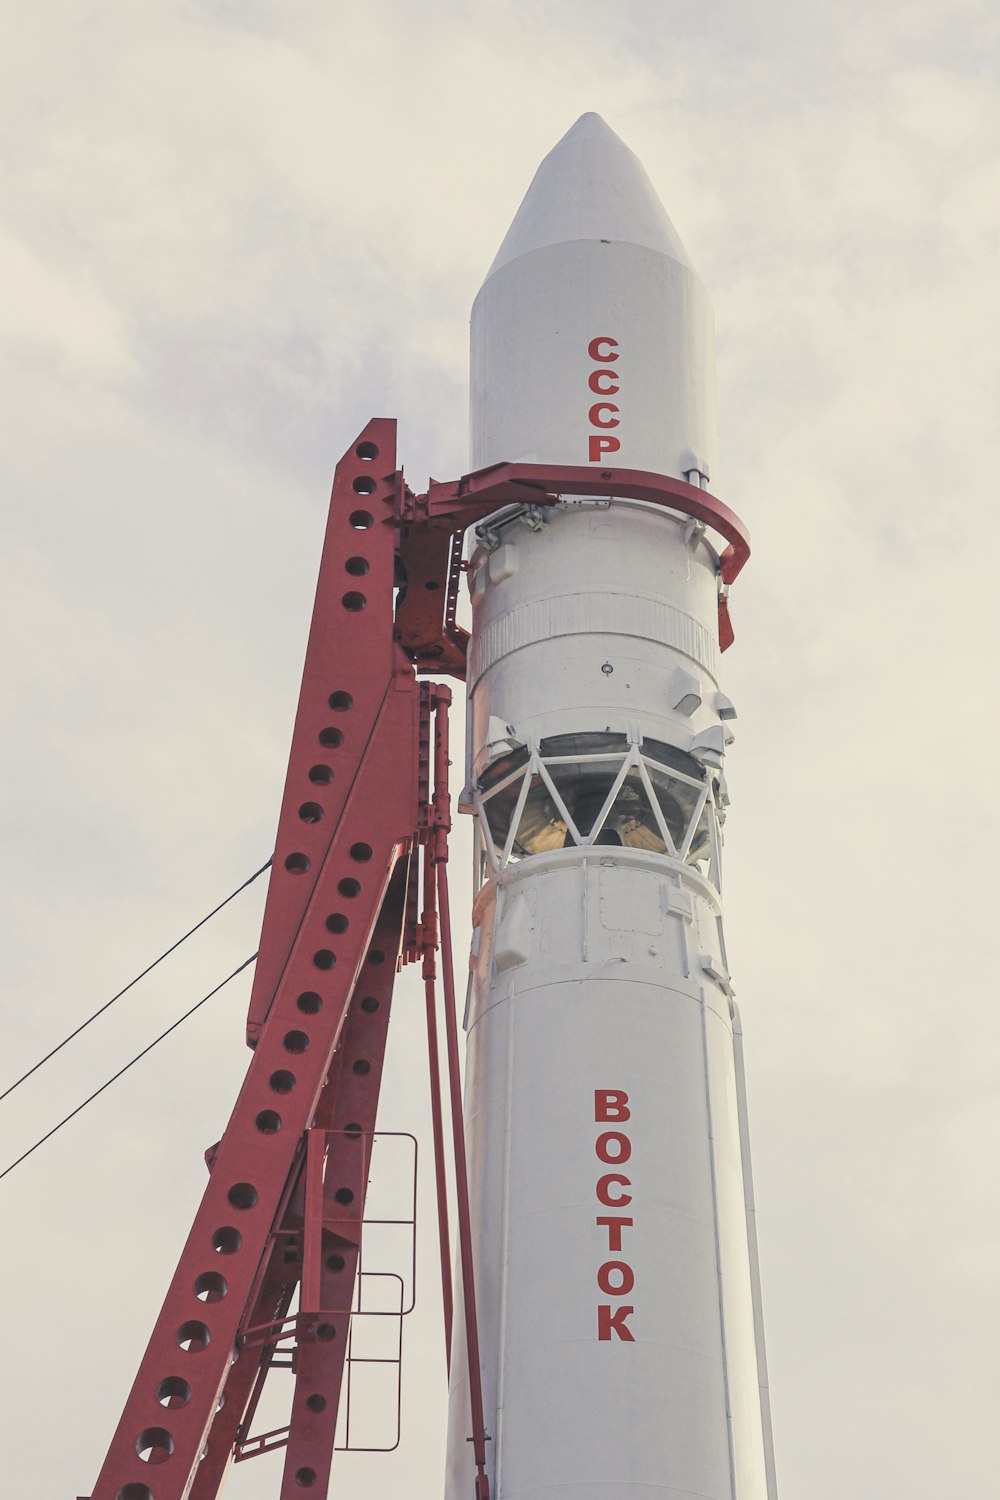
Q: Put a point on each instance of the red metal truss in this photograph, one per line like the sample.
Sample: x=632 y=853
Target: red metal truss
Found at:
x=318 y=1244
x=331 y=937
x=352 y=672
x=358 y=886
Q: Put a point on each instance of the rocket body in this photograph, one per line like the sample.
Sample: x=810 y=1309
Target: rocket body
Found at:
x=618 y=1303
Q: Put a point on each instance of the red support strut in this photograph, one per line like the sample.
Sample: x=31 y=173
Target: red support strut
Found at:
x=429 y=938
x=332 y=931
x=442 y=812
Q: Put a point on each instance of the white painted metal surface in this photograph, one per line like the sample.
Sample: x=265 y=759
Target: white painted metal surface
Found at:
x=619 y=1313
x=591 y=254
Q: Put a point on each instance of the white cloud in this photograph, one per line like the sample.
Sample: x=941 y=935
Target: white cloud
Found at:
x=233 y=232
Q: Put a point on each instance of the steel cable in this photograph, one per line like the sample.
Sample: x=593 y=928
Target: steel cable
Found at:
x=115 y=1076
x=132 y=982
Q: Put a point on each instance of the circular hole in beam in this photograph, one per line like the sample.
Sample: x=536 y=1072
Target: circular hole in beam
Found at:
x=309 y=1002
x=242 y=1195
x=367 y=451
x=134 y=1491
x=297 y=864
x=296 y=1041
x=305 y=1477
x=210 y=1286
x=337 y=922
x=268 y=1122
x=320 y=775
x=344 y=1196
x=311 y=812
x=362 y=1066
x=358 y=567
x=354 y=601
x=173 y=1392
x=193 y=1336
x=316 y=1403
x=362 y=519
x=227 y=1240
x=325 y=958
x=369 y=1004
x=154 y=1445
x=335 y=1262
x=349 y=887
x=364 y=485
x=282 y=1082
x=361 y=852
x=340 y=702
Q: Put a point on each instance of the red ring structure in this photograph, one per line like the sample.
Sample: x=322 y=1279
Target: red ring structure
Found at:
x=432 y=526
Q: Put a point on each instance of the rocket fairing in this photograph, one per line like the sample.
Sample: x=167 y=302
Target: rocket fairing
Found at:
x=615 y=1260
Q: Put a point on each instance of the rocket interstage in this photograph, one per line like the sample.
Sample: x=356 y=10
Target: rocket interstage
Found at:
x=614 y=1250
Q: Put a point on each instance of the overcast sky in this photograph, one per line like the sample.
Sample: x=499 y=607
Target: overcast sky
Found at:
x=232 y=230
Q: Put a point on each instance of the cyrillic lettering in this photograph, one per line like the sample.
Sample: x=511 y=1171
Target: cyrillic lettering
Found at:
x=613 y=1147
x=617 y=1269
x=614 y=1226
x=604 y=1185
x=611 y=1104
x=601 y=445
x=612 y=1320
x=604 y=382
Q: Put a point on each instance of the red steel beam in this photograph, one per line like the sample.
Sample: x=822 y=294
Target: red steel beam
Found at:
x=349 y=816
x=429 y=939
x=442 y=813
x=340 y=1150
x=351 y=660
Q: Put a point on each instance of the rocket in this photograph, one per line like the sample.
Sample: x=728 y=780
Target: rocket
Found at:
x=617 y=1285
x=608 y=1339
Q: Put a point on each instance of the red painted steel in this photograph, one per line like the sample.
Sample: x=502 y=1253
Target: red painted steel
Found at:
x=425 y=621
x=442 y=807
x=341 y=842
x=350 y=662
x=285 y=1201
x=429 y=939
x=425 y=550
x=339 y=1154
x=425 y=616
x=244 y=1384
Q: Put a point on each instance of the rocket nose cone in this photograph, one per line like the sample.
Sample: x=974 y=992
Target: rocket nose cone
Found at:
x=590 y=187
x=590 y=124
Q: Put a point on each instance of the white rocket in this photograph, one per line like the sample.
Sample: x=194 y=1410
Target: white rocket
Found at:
x=616 y=1264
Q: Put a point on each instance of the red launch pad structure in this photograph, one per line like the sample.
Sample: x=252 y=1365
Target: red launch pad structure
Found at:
x=358 y=887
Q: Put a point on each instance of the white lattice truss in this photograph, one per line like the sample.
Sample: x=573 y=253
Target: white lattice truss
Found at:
x=706 y=808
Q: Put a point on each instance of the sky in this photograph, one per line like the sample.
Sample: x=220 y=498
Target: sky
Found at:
x=232 y=232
